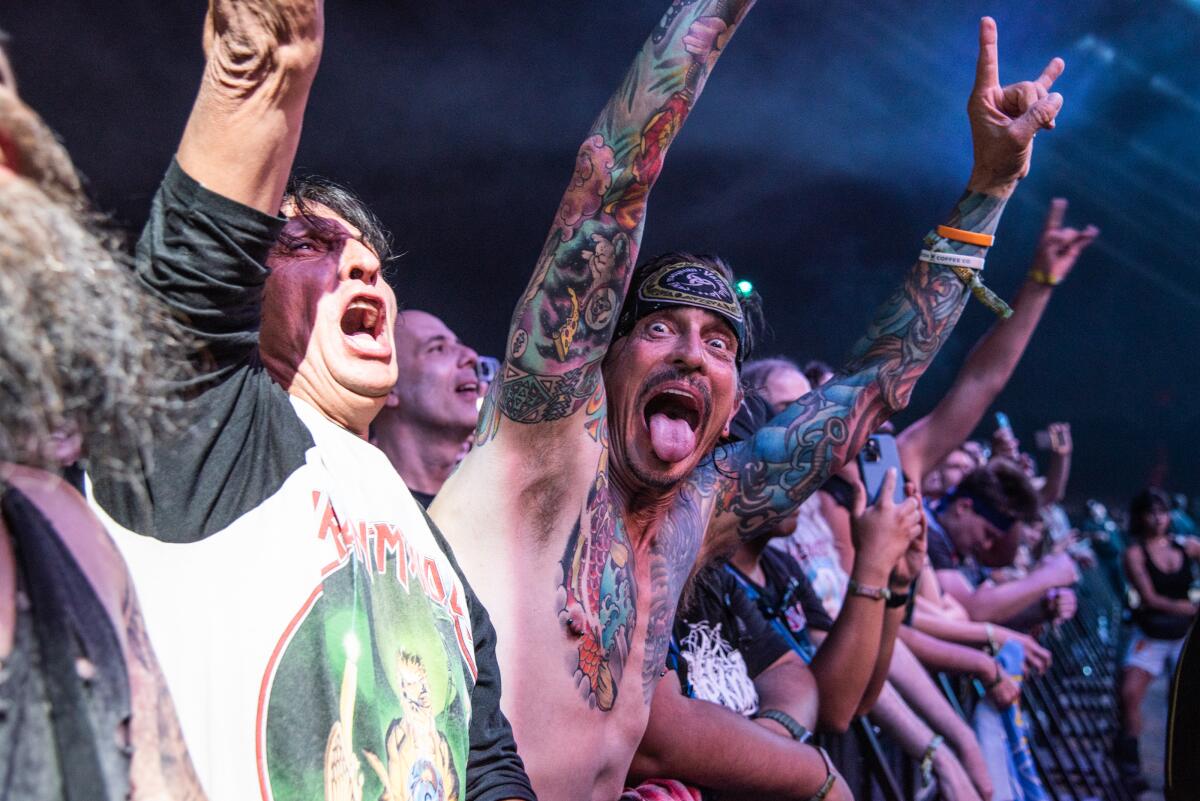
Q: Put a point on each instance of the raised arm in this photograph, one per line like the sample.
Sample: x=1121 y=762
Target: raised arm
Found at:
x=241 y=137
x=565 y=319
x=1058 y=472
x=992 y=361
x=790 y=458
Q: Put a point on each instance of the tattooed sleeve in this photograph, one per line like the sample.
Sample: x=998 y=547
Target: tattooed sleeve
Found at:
x=160 y=758
x=564 y=321
x=792 y=456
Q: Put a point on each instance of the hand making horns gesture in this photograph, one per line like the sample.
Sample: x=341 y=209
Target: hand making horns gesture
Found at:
x=1005 y=119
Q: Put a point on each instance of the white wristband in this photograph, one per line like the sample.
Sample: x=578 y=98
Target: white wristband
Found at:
x=952 y=259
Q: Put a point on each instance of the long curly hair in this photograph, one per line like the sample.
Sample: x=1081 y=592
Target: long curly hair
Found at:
x=84 y=349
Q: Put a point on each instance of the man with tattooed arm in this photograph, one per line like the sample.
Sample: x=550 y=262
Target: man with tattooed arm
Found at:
x=580 y=512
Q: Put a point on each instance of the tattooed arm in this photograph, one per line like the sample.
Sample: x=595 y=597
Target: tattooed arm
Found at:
x=563 y=322
x=791 y=457
x=992 y=361
x=161 y=766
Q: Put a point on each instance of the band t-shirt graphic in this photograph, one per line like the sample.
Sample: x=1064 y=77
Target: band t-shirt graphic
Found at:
x=316 y=634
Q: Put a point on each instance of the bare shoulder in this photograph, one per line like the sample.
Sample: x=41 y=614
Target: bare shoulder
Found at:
x=1191 y=546
x=80 y=531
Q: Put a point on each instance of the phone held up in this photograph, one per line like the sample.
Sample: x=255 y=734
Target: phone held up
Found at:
x=1050 y=440
x=874 y=459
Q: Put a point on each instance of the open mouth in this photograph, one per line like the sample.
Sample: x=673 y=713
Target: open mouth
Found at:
x=673 y=415
x=364 y=324
x=467 y=389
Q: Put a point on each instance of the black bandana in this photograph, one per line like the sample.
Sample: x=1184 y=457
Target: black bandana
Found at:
x=684 y=284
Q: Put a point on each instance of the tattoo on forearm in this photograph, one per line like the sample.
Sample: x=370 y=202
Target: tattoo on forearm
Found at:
x=163 y=737
x=565 y=319
x=790 y=458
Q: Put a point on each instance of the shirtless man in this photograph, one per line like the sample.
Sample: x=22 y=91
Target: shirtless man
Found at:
x=72 y=638
x=580 y=512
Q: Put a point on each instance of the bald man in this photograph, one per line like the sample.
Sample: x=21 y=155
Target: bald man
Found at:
x=431 y=411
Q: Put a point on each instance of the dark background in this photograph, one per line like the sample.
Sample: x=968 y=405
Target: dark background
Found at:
x=831 y=137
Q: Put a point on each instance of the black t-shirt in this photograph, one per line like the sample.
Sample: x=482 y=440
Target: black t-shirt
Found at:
x=939 y=546
x=423 y=498
x=724 y=642
x=312 y=623
x=790 y=594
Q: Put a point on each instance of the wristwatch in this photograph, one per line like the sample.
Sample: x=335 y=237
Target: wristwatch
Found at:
x=798 y=732
x=830 y=778
x=867 y=591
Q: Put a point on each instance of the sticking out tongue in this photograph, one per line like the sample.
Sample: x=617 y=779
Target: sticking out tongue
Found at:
x=672 y=438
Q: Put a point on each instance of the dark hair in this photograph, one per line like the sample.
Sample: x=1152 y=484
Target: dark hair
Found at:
x=816 y=371
x=304 y=190
x=752 y=311
x=1005 y=488
x=1144 y=502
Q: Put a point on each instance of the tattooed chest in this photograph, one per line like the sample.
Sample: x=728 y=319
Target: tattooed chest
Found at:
x=601 y=579
x=597 y=598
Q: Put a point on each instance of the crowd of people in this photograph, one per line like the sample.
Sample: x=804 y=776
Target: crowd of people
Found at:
x=328 y=550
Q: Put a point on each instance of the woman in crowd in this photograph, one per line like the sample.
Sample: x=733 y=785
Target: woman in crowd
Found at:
x=1162 y=570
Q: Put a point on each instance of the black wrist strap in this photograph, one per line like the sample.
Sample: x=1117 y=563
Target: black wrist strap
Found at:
x=798 y=732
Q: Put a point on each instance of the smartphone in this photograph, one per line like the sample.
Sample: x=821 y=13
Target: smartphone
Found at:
x=1050 y=439
x=874 y=459
x=1002 y=421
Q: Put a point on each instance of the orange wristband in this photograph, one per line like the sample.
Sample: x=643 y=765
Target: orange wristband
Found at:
x=969 y=237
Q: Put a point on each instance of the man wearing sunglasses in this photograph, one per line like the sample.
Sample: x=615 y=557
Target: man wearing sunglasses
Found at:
x=430 y=413
x=978 y=526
